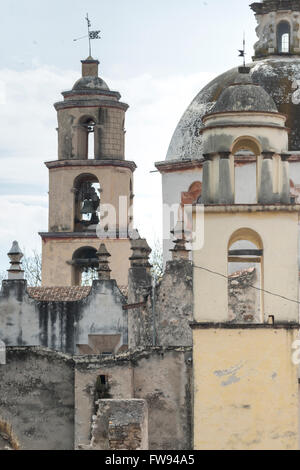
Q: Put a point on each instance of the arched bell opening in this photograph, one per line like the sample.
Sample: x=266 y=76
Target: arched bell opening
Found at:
x=85 y=264
x=87 y=202
x=245 y=277
x=86 y=137
x=246 y=152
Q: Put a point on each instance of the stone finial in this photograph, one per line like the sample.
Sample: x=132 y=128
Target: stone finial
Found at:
x=15 y=255
x=103 y=269
x=140 y=255
x=180 y=233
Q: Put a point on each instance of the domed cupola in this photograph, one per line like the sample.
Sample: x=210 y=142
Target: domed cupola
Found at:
x=244 y=95
x=244 y=118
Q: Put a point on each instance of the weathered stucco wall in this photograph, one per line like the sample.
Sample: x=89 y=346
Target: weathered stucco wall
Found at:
x=246 y=389
x=37 y=398
x=160 y=376
x=61 y=326
x=174 y=305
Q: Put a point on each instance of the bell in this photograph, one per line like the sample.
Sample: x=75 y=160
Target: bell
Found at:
x=88 y=207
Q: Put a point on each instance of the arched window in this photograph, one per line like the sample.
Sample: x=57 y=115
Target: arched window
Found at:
x=283 y=37
x=85 y=264
x=245 y=255
x=87 y=202
x=246 y=152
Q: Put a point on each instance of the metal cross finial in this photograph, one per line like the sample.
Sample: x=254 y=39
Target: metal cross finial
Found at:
x=91 y=34
x=242 y=53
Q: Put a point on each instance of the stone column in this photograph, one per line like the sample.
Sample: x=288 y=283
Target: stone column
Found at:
x=226 y=194
x=285 y=192
x=207 y=197
x=98 y=133
x=265 y=192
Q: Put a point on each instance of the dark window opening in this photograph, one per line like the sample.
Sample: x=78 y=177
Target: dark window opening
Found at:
x=283 y=37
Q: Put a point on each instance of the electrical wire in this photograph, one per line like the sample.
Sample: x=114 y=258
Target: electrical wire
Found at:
x=253 y=287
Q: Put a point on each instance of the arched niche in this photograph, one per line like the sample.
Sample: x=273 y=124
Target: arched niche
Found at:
x=246 y=153
x=284 y=37
x=246 y=233
x=245 y=276
x=87 y=191
x=246 y=143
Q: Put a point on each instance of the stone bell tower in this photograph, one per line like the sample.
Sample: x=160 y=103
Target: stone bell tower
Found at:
x=245 y=380
x=278 y=28
x=90 y=184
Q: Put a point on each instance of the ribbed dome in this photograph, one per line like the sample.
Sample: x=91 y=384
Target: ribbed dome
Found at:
x=90 y=83
x=278 y=76
x=244 y=97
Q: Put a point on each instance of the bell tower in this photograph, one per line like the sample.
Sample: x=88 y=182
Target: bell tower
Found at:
x=90 y=184
x=278 y=28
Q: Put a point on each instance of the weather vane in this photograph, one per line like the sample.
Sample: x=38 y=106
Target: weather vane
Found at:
x=242 y=53
x=91 y=34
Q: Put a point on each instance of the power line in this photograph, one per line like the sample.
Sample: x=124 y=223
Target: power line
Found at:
x=250 y=285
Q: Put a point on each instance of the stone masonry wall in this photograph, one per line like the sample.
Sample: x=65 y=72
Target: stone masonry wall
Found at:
x=243 y=299
x=120 y=425
x=37 y=400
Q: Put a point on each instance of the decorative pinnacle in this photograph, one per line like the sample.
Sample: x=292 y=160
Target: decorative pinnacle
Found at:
x=104 y=269
x=140 y=254
x=15 y=255
x=180 y=233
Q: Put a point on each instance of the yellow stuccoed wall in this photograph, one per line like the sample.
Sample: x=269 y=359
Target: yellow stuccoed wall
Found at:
x=56 y=252
x=278 y=231
x=245 y=389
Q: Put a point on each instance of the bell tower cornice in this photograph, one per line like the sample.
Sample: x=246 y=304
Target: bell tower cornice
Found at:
x=267 y=6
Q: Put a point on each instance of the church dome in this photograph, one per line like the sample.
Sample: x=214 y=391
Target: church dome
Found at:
x=90 y=83
x=244 y=97
x=278 y=76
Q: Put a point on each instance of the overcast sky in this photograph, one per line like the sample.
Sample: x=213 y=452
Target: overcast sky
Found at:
x=158 y=54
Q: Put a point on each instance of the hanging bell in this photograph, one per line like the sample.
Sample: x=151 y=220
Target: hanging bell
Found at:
x=87 y=207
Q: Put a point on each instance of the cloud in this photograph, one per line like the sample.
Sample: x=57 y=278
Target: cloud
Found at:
x=28 y=139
